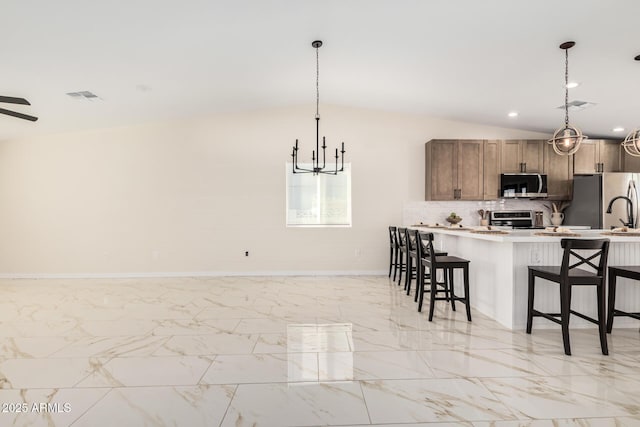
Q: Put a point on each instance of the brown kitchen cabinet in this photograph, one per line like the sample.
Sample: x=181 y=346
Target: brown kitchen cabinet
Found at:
x=492 y=169
x=598 y=155
x=519 y=156
x=559 y=174
x=630 y=163
x=454 y=169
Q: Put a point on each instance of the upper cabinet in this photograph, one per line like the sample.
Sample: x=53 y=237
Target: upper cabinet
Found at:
x=520 y=156
x=559 y=175
x=454 y=170
x=598 y=155
x=492 y=170
x=630 y=163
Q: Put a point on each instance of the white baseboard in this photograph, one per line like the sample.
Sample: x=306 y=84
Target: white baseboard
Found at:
x=189 y=274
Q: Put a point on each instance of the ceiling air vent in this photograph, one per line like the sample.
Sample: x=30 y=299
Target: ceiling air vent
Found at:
x=84 y=95
x=577 y=105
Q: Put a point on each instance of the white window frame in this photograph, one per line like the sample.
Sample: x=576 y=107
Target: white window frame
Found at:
x=320 y=179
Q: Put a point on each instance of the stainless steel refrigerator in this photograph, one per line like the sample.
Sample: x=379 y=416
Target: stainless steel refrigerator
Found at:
x=594 y=195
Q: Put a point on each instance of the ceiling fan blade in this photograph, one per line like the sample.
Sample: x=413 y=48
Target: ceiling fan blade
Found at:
x=12 y=100
x=18 y=115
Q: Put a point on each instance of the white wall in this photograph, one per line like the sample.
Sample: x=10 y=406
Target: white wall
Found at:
x=191 y=196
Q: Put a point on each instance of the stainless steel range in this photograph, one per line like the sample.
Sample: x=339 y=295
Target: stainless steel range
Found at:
x=516 y=219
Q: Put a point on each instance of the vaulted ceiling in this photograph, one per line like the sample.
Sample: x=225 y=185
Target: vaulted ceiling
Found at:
x=467 y=60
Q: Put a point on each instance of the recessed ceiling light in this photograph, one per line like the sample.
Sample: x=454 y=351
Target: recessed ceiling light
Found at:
x=572 y=85
x=618 y=129
x=513 y=114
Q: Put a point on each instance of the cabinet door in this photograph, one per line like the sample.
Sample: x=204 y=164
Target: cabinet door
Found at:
x=492 y=169
x=533 y=155
x=585 y=160
x=559 y=178
x=511 y=156
x=610 y=156
x=441 y=169
x=631 y=163
x=470 y=169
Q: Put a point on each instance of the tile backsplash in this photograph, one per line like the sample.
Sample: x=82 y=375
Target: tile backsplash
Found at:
x=432 y=212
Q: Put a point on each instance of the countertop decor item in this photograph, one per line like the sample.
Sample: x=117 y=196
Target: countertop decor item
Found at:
x=453 y=218
x=316 y=167
x=567 y=139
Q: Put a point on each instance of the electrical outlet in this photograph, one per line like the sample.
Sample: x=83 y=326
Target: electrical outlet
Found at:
x=358 y=252
x=246 y=253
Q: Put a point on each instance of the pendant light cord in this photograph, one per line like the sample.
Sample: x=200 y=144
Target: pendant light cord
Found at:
x=566 y=87
x=317 y=84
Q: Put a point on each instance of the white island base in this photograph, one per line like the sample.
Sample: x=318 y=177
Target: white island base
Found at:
x=499 y=273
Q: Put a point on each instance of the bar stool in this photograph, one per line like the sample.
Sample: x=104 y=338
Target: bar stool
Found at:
x=411 y=240
x=413 y=262
x=425 y=274
x=402 y=252
x=628 y=272
x=568 y=275
x=433 y=262
x=393 y=251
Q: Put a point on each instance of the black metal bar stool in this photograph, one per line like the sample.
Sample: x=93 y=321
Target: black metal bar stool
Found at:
x=568 y=275
x=413 y=262
x=402 y=252
x=628 y=272
x=411 y=240
x=393 y=251
x=424 y=273
x=433 y=261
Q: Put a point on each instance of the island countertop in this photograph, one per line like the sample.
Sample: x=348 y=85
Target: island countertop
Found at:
x=498 y=272
x=525 y=236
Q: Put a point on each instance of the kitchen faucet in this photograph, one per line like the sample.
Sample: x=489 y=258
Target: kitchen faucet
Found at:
x=630 y=222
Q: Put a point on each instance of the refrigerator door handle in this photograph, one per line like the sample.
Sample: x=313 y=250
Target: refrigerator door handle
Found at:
x=632 y=194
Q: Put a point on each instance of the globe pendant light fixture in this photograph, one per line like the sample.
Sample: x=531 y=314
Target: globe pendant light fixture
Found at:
x=631 y=143
x=316 y=166
x=567 y=139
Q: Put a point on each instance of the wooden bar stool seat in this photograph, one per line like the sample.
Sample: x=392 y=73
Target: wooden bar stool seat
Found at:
x=628 y=272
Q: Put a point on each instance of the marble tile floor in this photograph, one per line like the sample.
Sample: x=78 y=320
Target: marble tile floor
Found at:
x=291 y=351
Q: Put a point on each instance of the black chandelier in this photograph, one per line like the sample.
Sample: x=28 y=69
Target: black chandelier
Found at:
x=315 y=155
x=567 y=139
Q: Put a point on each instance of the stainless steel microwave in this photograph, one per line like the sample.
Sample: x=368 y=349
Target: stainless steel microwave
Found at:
x=523 y=185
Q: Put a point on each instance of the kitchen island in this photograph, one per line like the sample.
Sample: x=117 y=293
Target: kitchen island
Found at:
x=498 y=273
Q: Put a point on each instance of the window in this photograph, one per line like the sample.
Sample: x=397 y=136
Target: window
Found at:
x=318 y=200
